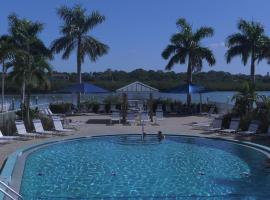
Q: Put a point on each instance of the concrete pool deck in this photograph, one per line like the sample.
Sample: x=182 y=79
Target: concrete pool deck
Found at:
x=98 y=125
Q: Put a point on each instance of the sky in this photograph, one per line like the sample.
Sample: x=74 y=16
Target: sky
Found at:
x=137 y=31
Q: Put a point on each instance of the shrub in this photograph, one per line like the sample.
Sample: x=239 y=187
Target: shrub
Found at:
x=33 y=113
x=61 y=108
x=46 y=122
x=112 y=99
x=95 y=107
x=107 y=107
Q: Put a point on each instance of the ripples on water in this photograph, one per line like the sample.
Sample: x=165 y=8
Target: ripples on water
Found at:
x=116 y=167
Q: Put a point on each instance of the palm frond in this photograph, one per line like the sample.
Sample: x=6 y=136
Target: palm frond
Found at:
x=168 y=51
x=242 y=51
x=183 y=25
x=173 y=60
x=203 y=32
x=92 y=21
x=206 y=54
x=93 y=48
x=237 y=39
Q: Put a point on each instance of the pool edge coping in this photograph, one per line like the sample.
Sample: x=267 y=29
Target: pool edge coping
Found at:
x=9 y=166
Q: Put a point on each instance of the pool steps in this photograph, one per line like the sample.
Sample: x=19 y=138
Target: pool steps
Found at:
x=8 y=188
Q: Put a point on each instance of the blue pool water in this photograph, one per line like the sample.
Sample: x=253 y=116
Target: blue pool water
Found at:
x=125 y=167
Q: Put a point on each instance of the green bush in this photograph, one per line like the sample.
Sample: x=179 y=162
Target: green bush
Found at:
x=61 y=108
x=33 y=113
x=112 y=100
x=245 y=121
x=95 y=107
x=46 y=122
x=107 y=107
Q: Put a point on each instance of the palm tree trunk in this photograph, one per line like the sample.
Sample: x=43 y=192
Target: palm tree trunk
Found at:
x=23 y=98
x=189 y=81
x=79 y=69
x=252 y=70
x=28 y=120
x=3 y=84
x=23 y=91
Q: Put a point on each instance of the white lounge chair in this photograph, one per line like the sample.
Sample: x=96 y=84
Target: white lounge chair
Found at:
x=131 y=118
x=58 y=126
x=168 y=108
x=22 y=130
x=234 y=125
x=115 y=117
x=252 y=129
x=39 y=127
x=215 y=125
x=159 y=107
x=145 y=117
x=3 y=137
x=159 y=116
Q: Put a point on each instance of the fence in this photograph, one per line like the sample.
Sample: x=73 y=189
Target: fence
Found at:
x=7 y=119
x=222 y=108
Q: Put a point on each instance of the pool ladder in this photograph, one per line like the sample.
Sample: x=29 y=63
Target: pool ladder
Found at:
x=8 y=188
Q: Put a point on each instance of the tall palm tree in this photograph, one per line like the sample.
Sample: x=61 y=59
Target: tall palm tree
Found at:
x=24 y=34
x=6 y=50
x=28 y=47
x=77 y=24
x=250 y=43
x=36 y=74
x=185 y=47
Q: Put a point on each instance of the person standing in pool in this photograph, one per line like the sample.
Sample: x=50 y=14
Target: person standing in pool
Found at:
x=160 y=136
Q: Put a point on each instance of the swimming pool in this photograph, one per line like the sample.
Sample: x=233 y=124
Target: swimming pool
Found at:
x=125 y=167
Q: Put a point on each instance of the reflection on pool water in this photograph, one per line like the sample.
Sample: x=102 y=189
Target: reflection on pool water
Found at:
x=125 y=167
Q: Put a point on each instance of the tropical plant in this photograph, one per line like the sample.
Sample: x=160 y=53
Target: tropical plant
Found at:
x=250 y=43
x=35 y=75
x=75 y=36
x=244 y=99
x=30 y=66
x=24 y=34
x=185 y=47
x=6 y=50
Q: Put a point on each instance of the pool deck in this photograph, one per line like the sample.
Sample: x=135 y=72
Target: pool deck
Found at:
x=98 y=125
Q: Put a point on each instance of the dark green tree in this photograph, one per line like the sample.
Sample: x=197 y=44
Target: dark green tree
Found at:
x=250 y=43
x=76 y=25
x=185 y=47
x=29 y=58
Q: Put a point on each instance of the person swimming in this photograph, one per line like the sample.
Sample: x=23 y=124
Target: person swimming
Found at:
x=160 y=136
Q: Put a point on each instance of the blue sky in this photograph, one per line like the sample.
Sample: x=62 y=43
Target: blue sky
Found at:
x=138 y=30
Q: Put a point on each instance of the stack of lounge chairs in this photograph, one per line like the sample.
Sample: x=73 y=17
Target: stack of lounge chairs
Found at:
x=216 y=126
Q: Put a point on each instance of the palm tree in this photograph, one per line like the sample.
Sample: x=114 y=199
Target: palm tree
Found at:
x=250 y=43
x=245 y=99
x=185 y=46
x=24 y=34
x=28 y=51
x=6 y=50
x=75 y=30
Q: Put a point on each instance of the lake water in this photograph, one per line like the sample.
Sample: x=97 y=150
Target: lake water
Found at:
x=217 y=96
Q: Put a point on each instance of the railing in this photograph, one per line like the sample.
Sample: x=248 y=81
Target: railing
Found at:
x=16 y=194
